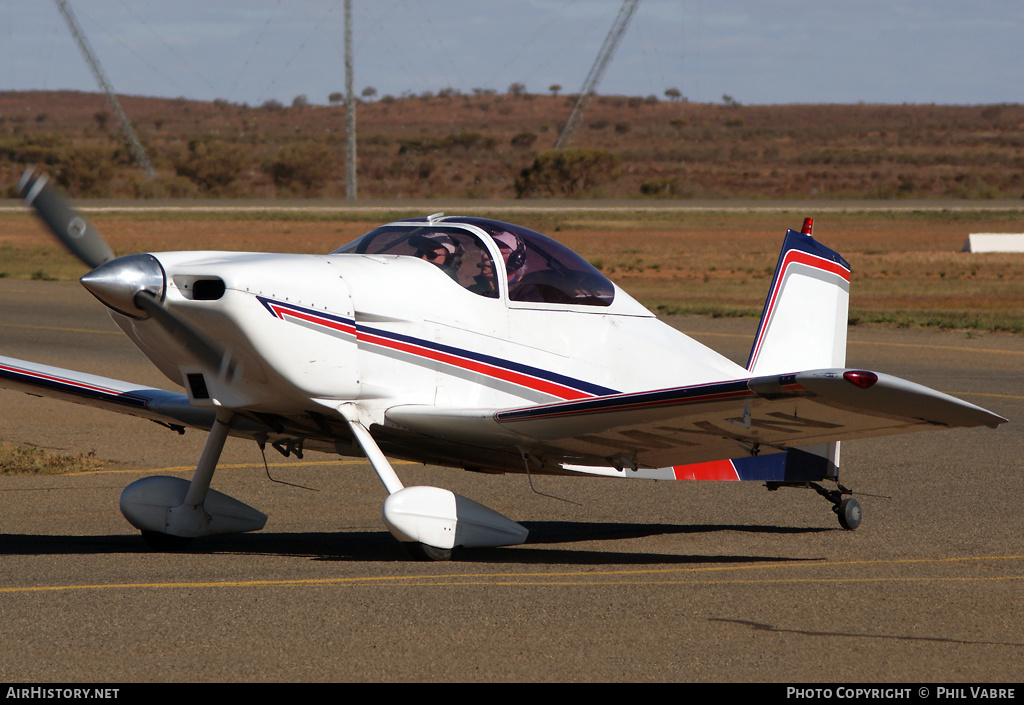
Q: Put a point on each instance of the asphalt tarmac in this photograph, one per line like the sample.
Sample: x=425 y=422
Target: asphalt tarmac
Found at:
x=620 y=581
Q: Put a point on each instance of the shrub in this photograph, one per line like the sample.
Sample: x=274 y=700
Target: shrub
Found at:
x=524 y=140
x=212 y=165
x=662 y=187
x=300 y=164
x=567 y=172
x=467 y=140
x=34 y=149
x=181 y=187
x=86 y=171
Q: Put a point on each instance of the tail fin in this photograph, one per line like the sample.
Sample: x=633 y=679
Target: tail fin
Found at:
x=803 y=325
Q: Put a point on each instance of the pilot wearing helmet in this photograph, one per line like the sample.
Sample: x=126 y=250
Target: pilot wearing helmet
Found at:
x=513 y=254
x=439 y=249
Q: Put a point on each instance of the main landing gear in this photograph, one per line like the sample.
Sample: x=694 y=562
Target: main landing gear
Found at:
x=426 y=552
x=431 y=522
x=171 y=511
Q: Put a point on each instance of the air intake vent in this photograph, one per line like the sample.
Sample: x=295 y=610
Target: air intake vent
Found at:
x=207 y=289
x=197 y=385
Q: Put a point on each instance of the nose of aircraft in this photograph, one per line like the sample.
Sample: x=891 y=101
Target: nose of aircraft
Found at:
x=118 y=281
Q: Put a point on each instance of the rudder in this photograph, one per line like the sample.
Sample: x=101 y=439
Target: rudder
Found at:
x=803 y=324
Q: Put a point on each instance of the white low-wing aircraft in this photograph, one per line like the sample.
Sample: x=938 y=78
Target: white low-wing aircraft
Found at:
x=471 y=343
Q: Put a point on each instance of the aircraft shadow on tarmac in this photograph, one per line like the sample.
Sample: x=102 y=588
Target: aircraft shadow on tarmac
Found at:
x=375 y=546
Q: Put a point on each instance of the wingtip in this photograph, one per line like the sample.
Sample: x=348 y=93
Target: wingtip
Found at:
x=995 y=420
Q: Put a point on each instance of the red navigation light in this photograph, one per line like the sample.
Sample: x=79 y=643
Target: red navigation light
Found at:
x=860 y=378
x=808 y=224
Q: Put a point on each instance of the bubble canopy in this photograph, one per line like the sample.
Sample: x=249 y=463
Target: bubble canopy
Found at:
x=476 y=252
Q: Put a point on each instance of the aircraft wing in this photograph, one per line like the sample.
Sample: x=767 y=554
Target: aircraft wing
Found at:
x=171 y=408
x=705 y=422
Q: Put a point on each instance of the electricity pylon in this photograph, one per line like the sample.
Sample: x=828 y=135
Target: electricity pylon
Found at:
x=604 y=56
x=101 y=77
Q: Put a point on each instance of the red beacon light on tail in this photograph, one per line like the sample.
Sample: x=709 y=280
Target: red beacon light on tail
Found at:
x=808 y=224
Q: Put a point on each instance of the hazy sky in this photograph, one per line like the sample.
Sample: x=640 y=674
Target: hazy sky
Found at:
x=757 y=51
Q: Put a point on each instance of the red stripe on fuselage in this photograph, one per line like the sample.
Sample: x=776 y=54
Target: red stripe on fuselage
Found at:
x=518 y=378
x=312 y=318
x=482 y=368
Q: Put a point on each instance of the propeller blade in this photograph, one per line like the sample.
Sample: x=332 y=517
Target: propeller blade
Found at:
x=77 y=234
x=132 y=285
x=206 y=351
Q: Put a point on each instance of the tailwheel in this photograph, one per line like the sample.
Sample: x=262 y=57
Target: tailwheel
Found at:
x=162 y=542
x=423 y=552
x=846 y=508
x=849 y=513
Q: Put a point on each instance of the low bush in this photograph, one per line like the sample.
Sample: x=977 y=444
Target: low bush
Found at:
x=567 y=172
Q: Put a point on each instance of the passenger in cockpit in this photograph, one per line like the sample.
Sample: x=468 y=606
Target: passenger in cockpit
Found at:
x=513 y=254
x=513 y=251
